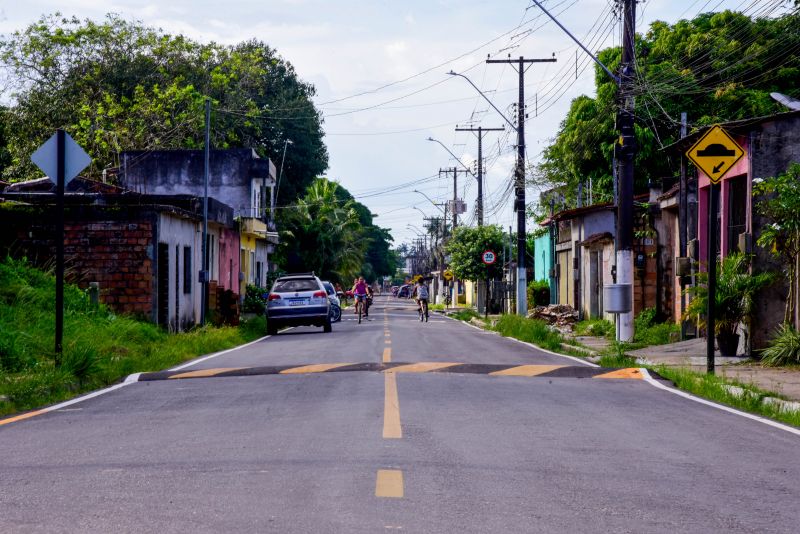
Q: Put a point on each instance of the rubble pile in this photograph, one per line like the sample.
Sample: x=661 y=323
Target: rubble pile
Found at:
x=561 y=316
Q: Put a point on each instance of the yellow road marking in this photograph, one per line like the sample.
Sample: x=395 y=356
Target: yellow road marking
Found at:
x=387 y=355
x=388 y=341
x=316 y=368
x=21 y=417
x=631 y=372
x=527 y=370
x=200 y=373
x=391 y=409
x=422 y=367
x=389 y=483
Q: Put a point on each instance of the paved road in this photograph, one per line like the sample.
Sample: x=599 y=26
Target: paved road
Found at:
x=421 y=449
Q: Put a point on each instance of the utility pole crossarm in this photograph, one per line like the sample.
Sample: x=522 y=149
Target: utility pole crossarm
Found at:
x=480 y=130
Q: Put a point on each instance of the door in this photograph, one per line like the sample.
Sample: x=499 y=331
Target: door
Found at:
x=163 y=284
x=564 y=277
x=596 y=284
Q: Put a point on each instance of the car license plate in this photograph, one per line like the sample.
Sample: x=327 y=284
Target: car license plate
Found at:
x=298 y=302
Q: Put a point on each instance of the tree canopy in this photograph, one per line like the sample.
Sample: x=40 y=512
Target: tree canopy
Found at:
x=466 y=247
x=716 y=67
x=328 y=232
x=118 y=85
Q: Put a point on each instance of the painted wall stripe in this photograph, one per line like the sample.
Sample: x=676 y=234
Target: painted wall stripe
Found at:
x=526 y=370
x=389 y=483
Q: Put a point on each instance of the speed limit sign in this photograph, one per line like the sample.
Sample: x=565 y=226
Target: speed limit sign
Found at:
x=489 y=257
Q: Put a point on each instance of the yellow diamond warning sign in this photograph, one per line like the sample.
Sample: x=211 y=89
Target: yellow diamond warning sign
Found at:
x=715 y=153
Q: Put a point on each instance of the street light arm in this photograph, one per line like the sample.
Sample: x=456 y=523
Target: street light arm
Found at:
x=596 y=60
x=429 y=199
x=454 y=156
x=451 y=73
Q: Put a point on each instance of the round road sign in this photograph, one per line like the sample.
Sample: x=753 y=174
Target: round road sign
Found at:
x=489 y=257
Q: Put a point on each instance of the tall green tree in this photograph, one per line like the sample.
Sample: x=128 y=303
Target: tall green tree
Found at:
x=716 y=67
x=118 y=85
x=466 y=247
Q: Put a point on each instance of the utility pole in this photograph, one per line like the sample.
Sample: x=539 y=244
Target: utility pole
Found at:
x=519 y=182
x=455 y=171
x=480 y=130
x=204 y=276
x=683 y=220
x=627 y=153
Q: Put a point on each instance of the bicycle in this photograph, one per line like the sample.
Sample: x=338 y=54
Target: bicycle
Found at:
x=422 y=309
x=361 y=302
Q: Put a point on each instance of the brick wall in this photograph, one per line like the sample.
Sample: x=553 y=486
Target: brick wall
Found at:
x=118 y=255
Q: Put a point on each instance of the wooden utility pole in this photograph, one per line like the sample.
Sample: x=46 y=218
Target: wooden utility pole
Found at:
x=480 y=130
x=519 y=179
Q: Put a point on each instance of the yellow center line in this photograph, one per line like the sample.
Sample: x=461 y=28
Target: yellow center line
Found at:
x=391 y=409
x=389 y=483
x=387 y=355
x=388 y=341
x=632 y=372
x=21 y=417
x=316 y=368
x=201 y=373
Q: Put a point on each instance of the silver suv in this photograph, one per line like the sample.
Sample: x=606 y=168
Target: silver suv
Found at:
x=295 y=300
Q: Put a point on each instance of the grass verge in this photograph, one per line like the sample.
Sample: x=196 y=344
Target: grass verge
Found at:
x=99 y=349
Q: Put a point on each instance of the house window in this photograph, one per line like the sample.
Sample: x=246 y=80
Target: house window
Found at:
x=737 y=211
x=251 y=266
x=564 y=231
x=187 y=270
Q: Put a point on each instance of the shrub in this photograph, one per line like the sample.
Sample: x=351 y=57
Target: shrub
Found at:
x=538 y=293
x=254 y=299
x=596 y=327
x=784 y=347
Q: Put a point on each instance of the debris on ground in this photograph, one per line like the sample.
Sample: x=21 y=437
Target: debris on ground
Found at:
x=561 y=316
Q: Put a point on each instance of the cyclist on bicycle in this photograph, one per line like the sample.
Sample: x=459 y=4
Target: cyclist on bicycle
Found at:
x=360 y=293
x=421 y=291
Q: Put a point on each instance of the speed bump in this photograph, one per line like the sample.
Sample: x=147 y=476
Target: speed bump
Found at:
x=495 y=370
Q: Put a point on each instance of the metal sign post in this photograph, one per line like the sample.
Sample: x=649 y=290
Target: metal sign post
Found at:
x=61 y=159
x=715 y=153
x=488 y=257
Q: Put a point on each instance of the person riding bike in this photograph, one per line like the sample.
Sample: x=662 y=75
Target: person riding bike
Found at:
x=360 y=289
x=422 y=294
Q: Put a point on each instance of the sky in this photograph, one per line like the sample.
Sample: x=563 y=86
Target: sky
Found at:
x=380 y=71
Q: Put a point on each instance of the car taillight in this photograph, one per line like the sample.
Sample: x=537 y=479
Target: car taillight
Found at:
x=320 y=294
x=274 y=296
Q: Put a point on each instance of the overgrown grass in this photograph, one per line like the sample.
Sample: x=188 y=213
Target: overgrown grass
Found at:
x=595 y=327
x=648 y=332
x=99 y=348
x=530 y=330
x=439 y=307
x=465 y=314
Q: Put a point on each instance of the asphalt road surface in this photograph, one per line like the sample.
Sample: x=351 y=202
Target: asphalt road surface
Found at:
x=394 y=425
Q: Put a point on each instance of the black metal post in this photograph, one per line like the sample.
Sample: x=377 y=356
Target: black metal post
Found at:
x=713 y=203
x=60 y=179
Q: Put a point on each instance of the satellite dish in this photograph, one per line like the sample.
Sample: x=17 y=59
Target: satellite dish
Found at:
x=788 y=101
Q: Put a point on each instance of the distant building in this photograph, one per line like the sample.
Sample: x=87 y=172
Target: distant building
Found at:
x=143 y=250
x=237 y=177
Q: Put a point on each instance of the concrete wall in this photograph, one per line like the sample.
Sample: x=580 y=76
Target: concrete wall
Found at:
x=543 y=258
x=169 y=172
x=180 y=234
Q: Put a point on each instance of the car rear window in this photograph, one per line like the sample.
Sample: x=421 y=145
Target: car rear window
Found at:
x=286 y=286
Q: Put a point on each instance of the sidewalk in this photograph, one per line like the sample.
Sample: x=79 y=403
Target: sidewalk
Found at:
x=692 y=354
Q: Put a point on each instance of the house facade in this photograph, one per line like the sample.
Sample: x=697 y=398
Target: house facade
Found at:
x=770 y=144
x=144 y=251
x=238 y=178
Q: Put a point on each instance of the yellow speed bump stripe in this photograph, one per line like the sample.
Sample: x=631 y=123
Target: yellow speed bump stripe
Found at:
x=387 y=355
x=630 y=372
x=317 y=368
x=422 y=367
x=527 y=370
x=203 y=373
x=389 y=483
